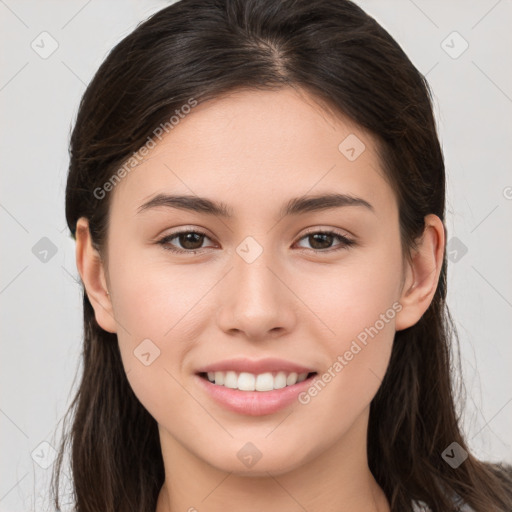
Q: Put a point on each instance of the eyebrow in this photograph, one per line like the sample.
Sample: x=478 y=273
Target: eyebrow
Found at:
x=295 y=206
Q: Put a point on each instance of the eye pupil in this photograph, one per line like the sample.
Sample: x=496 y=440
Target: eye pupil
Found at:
x=321 y=236
x=186 y=238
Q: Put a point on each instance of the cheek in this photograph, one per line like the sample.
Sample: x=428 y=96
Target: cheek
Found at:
x=358 y=357
x=162 y=308
x=152 y=307
x=154 y=298
x=359 y=304
x=354 y=294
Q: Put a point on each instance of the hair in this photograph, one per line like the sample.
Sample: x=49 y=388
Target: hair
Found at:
x=332 y=49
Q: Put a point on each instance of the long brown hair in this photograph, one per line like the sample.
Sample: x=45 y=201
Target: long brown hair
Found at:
x=201 y=49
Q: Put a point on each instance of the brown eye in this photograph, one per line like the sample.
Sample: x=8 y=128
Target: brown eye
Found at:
x=321 y=241
x=190 y=241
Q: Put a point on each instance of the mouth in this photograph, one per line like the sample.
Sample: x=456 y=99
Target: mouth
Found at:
x=254 y=394
x=255 y=387
x=262 y=382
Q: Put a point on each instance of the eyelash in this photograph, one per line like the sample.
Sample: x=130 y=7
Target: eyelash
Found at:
x=345 y=242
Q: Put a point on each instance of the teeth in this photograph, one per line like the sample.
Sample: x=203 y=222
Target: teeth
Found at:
x=231 y=380
x=246 y=381
x=264 y=382
x=291 y=379
x=249 y=382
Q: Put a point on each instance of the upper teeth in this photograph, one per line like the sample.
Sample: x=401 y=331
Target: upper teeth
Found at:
x=250 y=382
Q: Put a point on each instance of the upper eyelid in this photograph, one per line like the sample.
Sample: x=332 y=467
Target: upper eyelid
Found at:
x=336 y=231
x=311 y=230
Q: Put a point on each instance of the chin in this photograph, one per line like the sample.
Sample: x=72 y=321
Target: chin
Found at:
x=249 y=460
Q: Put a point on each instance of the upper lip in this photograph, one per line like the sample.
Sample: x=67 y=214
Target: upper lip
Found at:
x=255 y=367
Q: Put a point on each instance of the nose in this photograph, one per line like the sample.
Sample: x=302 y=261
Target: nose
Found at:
x=255 y=301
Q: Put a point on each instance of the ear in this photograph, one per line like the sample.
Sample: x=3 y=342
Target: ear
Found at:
x=90 y=266
x=422 y=273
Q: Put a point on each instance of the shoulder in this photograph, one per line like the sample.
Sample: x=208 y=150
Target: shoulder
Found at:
x=420 y=506
x=500 y=471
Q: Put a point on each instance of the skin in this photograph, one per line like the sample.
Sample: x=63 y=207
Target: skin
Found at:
x=254 y=150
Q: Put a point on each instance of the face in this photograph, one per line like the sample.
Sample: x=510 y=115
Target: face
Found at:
x=315 y=290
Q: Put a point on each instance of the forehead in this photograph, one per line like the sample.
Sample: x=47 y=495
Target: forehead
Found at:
x=250 y=146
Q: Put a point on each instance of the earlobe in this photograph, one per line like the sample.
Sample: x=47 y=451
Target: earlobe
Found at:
x=92 y=272
x=422 y=274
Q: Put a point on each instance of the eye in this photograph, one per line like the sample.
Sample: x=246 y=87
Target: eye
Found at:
x=321 y=240
x=192 y=240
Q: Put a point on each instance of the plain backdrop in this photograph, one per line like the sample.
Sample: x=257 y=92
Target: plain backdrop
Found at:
x=49 y=52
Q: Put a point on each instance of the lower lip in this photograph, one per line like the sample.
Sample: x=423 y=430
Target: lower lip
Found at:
x=255 y=403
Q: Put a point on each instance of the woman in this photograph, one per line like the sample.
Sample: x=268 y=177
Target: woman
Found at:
x=257 y=193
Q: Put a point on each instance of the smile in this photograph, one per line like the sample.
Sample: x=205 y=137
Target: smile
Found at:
x=245 y=381
x=249 y=401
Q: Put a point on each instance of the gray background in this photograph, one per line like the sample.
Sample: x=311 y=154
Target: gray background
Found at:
x=41 y=317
